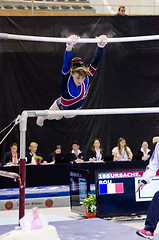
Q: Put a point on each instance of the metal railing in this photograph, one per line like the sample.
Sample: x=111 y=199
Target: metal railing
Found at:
x=33 y=5
x=78 y=6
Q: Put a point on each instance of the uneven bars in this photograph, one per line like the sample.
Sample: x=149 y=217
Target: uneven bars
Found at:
x=81 y=40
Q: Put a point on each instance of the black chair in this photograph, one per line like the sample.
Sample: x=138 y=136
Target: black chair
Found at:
x=76 y=7
x=65 y=7
x=55 y=7
x=8 y=7
x=20 y=7
x=42 y=7
x=87 y=7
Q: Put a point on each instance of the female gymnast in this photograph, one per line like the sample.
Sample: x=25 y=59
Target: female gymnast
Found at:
x=75 y=81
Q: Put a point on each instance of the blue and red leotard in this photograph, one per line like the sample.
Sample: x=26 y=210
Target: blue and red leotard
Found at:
x=72 y=97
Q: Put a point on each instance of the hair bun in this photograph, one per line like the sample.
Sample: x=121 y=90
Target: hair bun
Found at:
x=77 y=61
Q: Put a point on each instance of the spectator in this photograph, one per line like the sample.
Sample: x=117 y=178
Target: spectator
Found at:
x=32 y=153
x=121 y=11
x=76 y=154
x=122 y=152
x=144 y=152
x=51 y=156
x=96 y=153
x=11 y=157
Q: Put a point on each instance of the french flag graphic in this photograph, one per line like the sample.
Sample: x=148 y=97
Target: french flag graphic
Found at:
x=111 y=188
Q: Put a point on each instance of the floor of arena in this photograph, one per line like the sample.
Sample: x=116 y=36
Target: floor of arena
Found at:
x=71 y=226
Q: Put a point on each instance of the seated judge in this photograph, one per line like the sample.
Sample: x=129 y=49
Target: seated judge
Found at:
x=77 y=156
x=122 y=152
x=11 y=157
x=144 y=152
x=33 y=147
x=96 y=153
x=51 y=157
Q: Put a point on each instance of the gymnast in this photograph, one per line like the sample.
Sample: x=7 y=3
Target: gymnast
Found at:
x=75 y=81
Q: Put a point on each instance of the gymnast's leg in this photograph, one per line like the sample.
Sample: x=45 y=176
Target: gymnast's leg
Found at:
x=57 y=117
x=70 y=116
x=56 y=108
x=40 y=120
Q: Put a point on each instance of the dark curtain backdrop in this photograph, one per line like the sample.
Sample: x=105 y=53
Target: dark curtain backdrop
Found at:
x=128 y=76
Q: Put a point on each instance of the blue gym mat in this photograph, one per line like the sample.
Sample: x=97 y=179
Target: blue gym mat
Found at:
x=39 y=192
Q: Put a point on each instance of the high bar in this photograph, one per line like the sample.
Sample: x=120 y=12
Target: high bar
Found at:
x=115 y=111
x=81 y=40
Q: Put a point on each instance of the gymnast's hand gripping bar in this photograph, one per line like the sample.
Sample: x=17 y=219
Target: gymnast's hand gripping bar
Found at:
x=81 y=40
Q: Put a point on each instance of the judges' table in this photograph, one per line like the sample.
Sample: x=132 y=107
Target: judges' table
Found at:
x=58 y=174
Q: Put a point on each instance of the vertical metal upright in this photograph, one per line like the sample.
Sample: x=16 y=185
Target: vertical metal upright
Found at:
x=22 y=170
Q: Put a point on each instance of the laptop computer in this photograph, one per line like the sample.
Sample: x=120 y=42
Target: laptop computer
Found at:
x=62 y=158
